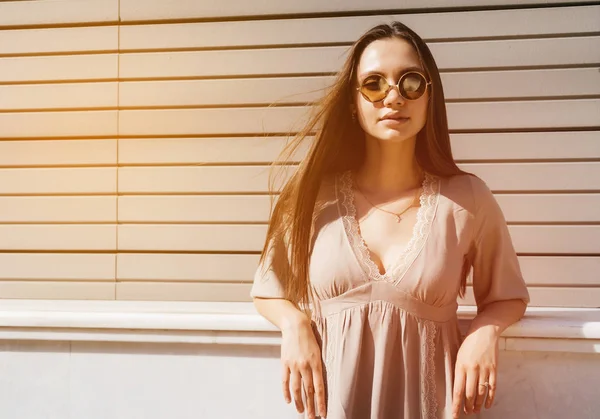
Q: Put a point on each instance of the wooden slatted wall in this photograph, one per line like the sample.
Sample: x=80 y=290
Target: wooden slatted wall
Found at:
x=133 y=162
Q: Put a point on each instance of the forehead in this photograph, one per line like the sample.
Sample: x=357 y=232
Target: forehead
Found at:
x=388 y=56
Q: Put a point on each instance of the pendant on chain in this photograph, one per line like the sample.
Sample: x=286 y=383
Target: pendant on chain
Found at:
x=398 y=218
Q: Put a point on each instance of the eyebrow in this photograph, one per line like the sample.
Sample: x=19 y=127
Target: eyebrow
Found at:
x=404 y=70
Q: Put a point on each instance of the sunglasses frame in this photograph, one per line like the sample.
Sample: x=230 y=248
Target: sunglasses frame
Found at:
x=397 y=85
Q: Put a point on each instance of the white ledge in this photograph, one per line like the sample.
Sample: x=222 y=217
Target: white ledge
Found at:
x=570 y=330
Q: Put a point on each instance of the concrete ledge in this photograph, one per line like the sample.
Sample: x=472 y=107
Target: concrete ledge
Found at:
x=542 y=329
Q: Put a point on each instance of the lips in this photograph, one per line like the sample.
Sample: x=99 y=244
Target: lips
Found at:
x=395 y=117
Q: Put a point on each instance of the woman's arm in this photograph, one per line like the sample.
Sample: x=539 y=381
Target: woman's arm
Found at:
x=477 y=359
x=300 y=354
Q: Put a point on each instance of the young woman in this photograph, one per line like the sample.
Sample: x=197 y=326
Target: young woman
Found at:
x=376 y=233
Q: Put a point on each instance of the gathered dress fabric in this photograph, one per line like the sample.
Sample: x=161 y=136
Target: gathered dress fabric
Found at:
x=389 y=340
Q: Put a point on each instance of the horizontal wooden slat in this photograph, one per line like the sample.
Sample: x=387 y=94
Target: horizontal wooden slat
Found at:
x=548 y=270
x=556 y=239
x=58 y=124
x=215 y=238
x=59 y=68
x=58 y=96
x=585 y=297
x=57 y=266
x=192 y=209
x=448 y=55
x=243 y=150
x=58 y=180
x=526 y=145
x=461 y=116
x=63 y=209
x=240 y=238
x=159 y=10
x=300 y=90
x=185 y=267
x=57 y=152
x=20 y=13
x=463 y=24
x=231 y=179
x=153 y=291
x=103 y=38
x=57 y=237
x=538 y=208
x=538 y=176
x=58 y=290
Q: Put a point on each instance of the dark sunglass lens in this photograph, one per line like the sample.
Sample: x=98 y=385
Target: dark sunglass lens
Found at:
x=412 y=86
x=374 y=88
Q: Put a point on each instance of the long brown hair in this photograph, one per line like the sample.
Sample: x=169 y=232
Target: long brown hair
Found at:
x=339 y=145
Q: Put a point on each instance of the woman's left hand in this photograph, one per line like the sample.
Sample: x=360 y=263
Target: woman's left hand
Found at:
x=476 y=364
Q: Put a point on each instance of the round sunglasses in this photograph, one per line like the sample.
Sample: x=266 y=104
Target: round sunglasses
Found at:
x=411 y=86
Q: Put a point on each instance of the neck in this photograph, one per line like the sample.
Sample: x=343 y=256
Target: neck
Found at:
x=390 y=167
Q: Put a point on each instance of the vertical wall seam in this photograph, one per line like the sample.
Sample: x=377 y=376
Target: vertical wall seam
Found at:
x=117 y=144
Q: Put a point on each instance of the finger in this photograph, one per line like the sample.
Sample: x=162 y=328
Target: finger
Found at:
x=285 y=382
x=471 y=389
x=458 y=392
x=296 y=381
x=309 y=391
x=482 y=390
x=491 y=390
x=319 y=389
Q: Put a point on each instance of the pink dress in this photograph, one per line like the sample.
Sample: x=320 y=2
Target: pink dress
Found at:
x=389 y=342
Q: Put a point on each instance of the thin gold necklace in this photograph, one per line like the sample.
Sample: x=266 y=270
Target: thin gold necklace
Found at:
x=398 y=215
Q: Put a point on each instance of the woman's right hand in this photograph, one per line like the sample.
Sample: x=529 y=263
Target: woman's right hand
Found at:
x=302 y=368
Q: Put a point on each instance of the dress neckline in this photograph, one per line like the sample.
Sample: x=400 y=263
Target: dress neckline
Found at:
x=428 y=204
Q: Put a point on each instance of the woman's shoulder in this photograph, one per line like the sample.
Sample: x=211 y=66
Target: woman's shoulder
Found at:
x=468 y=190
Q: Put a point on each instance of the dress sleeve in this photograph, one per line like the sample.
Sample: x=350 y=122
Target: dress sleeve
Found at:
x=271 y=272
x=496 y=272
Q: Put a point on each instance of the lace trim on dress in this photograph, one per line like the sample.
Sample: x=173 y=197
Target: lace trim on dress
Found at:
x=425 y=214
x=429 y=403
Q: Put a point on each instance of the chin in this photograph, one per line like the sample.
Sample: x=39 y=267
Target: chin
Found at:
x=395 y=136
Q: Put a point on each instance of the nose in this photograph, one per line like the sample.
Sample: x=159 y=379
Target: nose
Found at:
x=393 y=96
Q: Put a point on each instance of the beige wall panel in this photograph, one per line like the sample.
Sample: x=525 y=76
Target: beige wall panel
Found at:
x=530 y=114
x=500 y=177
x=538 y=176
x=57 y=266
x=63 y=180
x=58 y=237
x=59 y=68
x=461 y=116
x=152 y=291
x=219 y=92
x=28 y=41
x=58 y=96
x=226 y=238
x=556 y=239
x=185 y=267
x=58 y=290
x=17 y=13
x=448 y=55
x=186 y=237
x=57 y=152
x=193 y=179
x=554 y=297
x=526 y=145
x=158 y=10
x=560 y=20
x=549 y=208
x=58 y=124
x=192 y=209
x=62 y=209
x=241 y=150
x=300 y=90
x=558 y=270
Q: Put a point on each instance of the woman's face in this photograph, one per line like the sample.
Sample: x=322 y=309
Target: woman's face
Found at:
x=382 y=120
